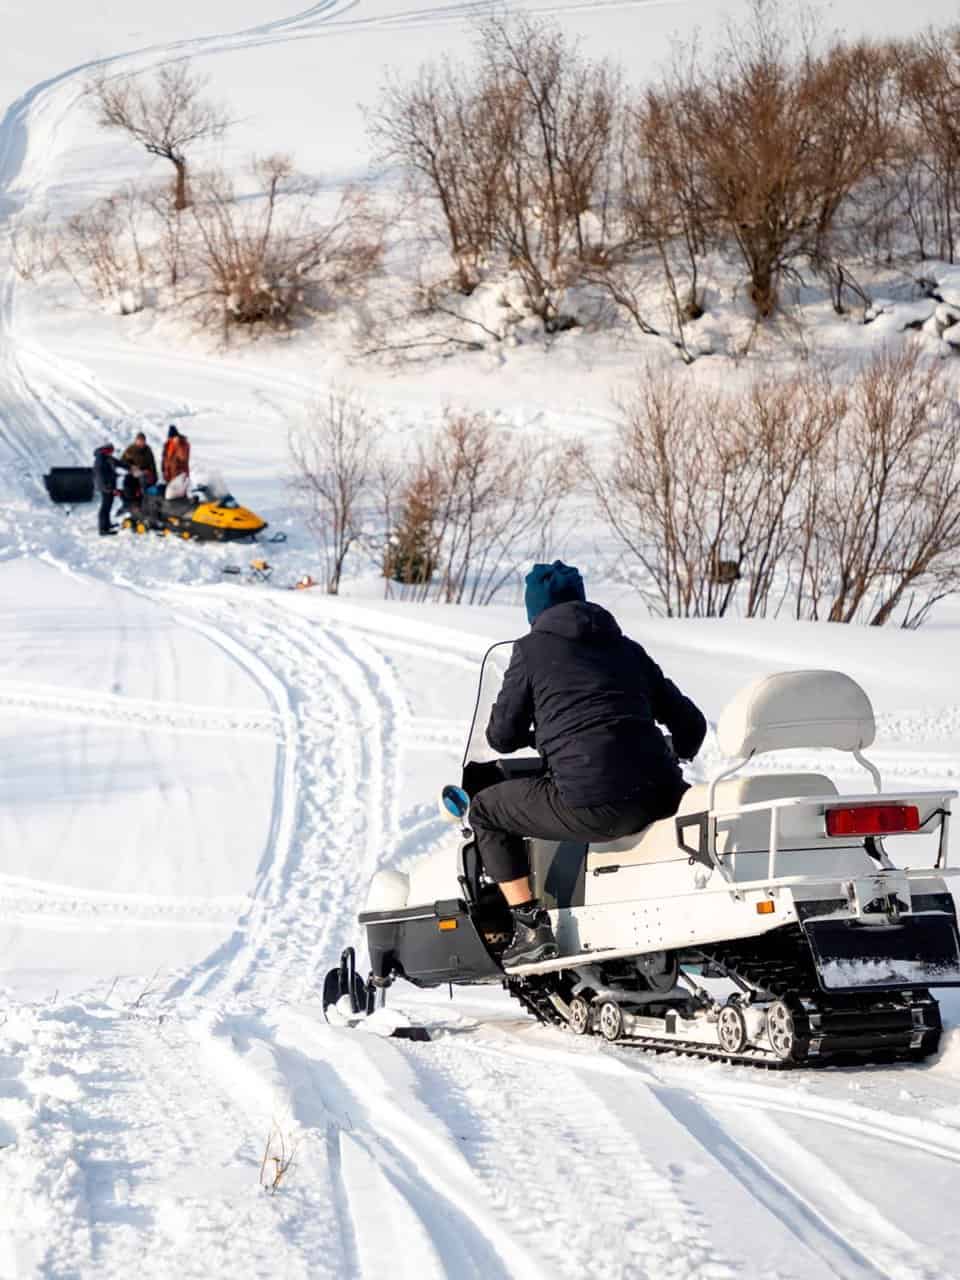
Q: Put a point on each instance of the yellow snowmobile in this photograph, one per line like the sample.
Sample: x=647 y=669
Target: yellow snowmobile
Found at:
x=202 y=515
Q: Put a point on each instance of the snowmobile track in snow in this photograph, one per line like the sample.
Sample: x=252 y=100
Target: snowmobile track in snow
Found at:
x=327 y=781
x=40 y=903
x=120 y=712
x=617 y=1061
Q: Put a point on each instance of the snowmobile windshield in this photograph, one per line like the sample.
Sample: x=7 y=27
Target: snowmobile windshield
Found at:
x=495 y=663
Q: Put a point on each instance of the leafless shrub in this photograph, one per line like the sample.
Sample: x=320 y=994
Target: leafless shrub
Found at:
x=454 y=156
x=929 y=77
x=149 y=989
x=172 y=235
x=496 y=498
x=513 y=151
x=166 y=115
x=845 y=498
x=777 y=426
x=472 y=506
x=35 y=247
x=883 y=503
x=333 y=462
x=266 y=261
x=703 y=490
x=104 y=246
x=665 y=495
x=279 y=1153
x=778 y=140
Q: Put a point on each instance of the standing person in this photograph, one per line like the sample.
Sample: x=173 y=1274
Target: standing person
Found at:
x=589 y=699
x=176 y=456
x=105 y=483
x=139 y=455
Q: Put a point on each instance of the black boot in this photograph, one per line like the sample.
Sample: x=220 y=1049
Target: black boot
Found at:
x=533 y=938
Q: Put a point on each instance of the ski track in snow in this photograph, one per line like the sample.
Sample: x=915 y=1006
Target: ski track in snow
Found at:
x=60 y=703
x=336 y=815
x=420 y=1131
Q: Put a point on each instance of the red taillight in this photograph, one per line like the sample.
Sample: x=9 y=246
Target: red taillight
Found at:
x=873 y=820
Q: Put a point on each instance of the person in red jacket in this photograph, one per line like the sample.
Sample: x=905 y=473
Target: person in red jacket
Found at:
x=176 y=456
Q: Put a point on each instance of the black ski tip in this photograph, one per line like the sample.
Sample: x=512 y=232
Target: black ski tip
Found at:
x=410 y=1033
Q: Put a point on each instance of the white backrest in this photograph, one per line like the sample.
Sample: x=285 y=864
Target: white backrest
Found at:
x=797 y=709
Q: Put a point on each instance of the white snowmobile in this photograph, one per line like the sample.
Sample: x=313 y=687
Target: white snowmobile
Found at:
x=765 y=922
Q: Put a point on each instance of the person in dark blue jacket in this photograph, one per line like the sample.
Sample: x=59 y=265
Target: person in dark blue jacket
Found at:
x=105 y=483
x=589 y=699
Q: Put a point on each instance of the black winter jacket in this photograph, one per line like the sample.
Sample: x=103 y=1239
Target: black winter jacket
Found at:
x=105 y=471
x=587 y=698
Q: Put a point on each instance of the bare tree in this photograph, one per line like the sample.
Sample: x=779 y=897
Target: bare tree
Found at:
x=167 y=115
x=499 y=498
x=705 y=489
x=886 y=493
x=264 y=262
x=559 y=111
x=656 y=244
x=173 y=239
x=778 y=426
x=474 y=504
x=103 y=246
x=333 y=460
x=666 y=494
x=514 y=152
x=779 y=139
x=35 y=247
x=453 y=150
x=929 y=77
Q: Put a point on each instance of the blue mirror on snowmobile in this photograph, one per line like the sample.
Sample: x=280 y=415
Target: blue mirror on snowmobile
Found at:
x=454 y=803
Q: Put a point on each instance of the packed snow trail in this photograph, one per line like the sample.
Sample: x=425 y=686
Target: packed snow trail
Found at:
x=143 y=1115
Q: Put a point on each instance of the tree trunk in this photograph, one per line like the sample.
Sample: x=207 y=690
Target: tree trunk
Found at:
x=181 y=198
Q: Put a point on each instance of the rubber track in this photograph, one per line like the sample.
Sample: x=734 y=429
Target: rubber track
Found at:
x=789 y=977
x=544 y=1012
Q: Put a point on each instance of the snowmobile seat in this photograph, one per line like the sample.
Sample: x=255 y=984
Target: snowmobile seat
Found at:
x=433 y=877
x=389 y=891
x=178 y=506
x=745 y=838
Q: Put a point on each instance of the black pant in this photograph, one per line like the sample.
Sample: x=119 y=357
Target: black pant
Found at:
x=503 y=814
x=106 y=506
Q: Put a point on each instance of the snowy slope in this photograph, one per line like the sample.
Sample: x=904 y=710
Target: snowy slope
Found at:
x=200 y=778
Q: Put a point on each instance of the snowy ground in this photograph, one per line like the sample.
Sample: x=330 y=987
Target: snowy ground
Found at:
x=200 y=777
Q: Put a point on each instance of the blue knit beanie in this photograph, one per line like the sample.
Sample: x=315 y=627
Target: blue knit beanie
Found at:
x=550 y=584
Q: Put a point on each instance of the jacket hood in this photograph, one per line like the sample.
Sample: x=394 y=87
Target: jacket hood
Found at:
x=578 y=620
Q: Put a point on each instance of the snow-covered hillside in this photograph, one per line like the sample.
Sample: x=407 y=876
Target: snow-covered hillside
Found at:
x=201 y=774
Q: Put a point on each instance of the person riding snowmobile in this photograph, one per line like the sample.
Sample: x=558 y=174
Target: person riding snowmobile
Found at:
x=589 y=699
x=105 y=483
